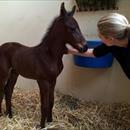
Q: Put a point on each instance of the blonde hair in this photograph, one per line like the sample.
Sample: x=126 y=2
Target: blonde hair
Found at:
x=114 y=25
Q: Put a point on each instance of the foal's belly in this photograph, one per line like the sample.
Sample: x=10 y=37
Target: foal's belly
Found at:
x=24 y=63
x=29 y=72
x=37 y=73
x=29 y=66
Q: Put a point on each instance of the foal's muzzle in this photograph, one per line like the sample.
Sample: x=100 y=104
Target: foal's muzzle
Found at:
x=83 y=48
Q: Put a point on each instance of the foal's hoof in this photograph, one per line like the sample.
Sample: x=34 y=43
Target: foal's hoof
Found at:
x=1 y=114
x=8 y=114
x=49 y=120
x=39 y=127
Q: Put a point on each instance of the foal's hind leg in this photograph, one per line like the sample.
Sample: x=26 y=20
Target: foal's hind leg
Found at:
x=4 y=70
x=8 y=90
x=2 y=84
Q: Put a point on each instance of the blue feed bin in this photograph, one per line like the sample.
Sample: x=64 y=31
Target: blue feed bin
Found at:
x=102 y=62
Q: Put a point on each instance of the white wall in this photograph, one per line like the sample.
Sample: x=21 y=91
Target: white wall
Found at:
x=27 y=21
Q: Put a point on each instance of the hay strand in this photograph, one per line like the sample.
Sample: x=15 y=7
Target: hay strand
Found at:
x=68 y=113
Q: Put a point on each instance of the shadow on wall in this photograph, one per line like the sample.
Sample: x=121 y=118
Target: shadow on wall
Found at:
x=78 y=79
x=86 y=77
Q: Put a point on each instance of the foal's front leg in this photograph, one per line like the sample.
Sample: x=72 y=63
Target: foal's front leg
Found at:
x=51 y=100
x=44 y=96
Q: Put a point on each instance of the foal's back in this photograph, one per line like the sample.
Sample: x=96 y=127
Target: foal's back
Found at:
x=30 y=62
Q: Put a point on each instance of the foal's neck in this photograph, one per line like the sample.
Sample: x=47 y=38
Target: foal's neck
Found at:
x=55 y=45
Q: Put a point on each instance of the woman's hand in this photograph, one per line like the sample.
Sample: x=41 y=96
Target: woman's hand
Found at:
x=89 y=53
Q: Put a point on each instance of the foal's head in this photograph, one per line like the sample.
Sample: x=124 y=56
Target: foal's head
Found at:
x=68 y=29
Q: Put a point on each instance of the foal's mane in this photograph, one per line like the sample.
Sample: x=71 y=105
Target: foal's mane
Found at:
x=44 y=39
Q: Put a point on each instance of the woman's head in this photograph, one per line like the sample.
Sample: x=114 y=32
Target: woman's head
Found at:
x=114 y=26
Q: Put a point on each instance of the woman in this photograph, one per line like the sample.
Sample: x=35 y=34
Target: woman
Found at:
x=114 y=31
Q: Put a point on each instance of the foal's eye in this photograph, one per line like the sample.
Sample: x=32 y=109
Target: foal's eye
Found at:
x=72 y=29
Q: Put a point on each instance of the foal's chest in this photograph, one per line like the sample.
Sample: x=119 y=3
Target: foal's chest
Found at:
x=53 y=69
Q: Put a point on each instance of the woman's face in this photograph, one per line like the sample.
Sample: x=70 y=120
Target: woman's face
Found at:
x=106 y=40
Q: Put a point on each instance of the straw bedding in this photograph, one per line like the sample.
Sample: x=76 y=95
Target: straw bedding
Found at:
x=68 y=113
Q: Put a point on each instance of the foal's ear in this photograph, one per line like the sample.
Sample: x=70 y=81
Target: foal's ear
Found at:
x=73 y=10
x=62 y=10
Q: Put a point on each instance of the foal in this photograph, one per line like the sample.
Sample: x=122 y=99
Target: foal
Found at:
x=42 y=62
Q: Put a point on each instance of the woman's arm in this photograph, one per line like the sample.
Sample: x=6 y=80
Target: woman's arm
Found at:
x=71 y=50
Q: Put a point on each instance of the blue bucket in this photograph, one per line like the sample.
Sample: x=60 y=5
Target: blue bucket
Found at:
x=92 y=62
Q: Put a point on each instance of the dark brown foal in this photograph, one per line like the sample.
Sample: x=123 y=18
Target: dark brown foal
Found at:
x=42 y=62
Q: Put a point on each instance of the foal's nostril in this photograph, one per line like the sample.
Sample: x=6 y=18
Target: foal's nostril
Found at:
x=83 y=49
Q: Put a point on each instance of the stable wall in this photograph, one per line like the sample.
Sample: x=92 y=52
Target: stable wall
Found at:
x=27 y=21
